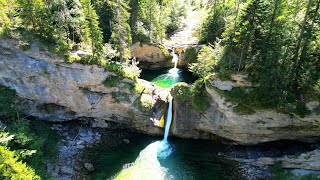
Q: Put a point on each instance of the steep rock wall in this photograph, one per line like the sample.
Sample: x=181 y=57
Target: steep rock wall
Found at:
x=61 y=92
x=221 y=120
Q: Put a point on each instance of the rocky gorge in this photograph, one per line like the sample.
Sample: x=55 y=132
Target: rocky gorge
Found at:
x=56 y=91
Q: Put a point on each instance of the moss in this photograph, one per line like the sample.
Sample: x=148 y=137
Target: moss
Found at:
x=120 y=96
x=243 y=110
x=112 y=81
x=114 y=67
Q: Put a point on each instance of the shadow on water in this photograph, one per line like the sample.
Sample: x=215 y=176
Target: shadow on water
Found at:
x=147 y=156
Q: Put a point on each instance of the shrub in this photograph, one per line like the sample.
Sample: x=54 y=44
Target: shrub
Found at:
x=190 y=55
x=12 y=168
x=196 y=95
x=8 y=105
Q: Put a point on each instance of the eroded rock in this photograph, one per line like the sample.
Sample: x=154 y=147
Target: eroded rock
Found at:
x=62 y=92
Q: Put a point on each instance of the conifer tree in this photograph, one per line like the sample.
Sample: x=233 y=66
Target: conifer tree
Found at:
x=121 y=31
x=93 y=30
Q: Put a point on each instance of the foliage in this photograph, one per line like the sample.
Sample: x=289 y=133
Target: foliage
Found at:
x=93 y=30
x=150 y=20
x=196 y=95
x=33 y=142
x=190 y=54
x=8 y=105
x=214 y=25
x=206 y=61
x=146 y=101
x=12 y=168
x=275 y=42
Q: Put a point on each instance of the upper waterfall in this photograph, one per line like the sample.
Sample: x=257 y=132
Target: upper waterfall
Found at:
x=175 y=58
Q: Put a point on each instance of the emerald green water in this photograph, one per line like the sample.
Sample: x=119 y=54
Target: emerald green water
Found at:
x=147 y=157
x=166 y=78
x=182 y=160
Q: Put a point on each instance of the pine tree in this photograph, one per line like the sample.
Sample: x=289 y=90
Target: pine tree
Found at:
x=121 y=31
x=93 y=30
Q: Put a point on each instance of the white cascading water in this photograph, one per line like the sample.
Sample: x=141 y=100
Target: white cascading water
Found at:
x=175 y=58
x=168 y=120
x=147 y=165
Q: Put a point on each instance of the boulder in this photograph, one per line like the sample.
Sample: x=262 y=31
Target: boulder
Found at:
x=89 y=166
x=312 y=105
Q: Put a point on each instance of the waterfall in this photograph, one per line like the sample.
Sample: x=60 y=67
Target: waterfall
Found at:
x=168 y=120
x=175 y=58
x=174 y=72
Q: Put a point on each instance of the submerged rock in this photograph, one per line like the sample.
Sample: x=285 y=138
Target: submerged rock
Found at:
x=89 y=166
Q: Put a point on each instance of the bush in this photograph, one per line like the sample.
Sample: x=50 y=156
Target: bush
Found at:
x=35 y=143
x=12 y=168
x=8 y=105
x=190 y=55
x=206 y=62
x=196 y=95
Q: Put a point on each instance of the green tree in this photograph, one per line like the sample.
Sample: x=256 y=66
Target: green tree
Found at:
x=12 y=168
x=121 y=32
x=93 y=30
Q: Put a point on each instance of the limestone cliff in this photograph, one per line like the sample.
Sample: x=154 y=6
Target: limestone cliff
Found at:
x=57 y=91
x=222 y=120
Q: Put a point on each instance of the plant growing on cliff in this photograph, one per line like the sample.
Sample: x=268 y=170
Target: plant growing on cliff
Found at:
x=196 y=95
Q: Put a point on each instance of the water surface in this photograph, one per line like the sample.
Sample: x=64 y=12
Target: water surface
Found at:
x=166 y=78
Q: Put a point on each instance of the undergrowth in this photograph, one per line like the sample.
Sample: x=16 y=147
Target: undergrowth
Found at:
x=196 y=95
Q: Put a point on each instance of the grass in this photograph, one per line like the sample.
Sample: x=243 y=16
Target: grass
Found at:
x=247 y=102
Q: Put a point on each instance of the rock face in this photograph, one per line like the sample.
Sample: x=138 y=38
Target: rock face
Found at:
x=309 y=160
x=56 y=91
x=61 y=92
x=221 y=120
x=150 y=56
